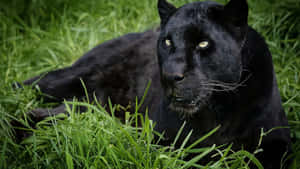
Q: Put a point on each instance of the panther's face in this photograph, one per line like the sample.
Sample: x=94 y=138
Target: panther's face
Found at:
x=199 y=54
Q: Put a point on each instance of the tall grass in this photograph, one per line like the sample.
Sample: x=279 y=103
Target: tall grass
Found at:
x=37 y=36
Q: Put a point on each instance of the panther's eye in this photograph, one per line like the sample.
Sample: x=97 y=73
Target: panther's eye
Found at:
x=168 y=42
x=203 y=45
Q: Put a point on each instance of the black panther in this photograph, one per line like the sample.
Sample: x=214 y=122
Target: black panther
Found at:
x=207 y=68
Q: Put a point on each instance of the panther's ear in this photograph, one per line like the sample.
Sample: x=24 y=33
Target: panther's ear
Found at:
x=236 y=12
x=165 y=10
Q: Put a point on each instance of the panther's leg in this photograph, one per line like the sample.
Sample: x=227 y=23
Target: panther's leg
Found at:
x=41 y=113
x=38 y=115
x=274 y=159
x=35 y=116
x=60 y=84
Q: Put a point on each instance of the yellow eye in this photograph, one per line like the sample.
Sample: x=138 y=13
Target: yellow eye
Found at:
x=203 y=44
x=168 y=42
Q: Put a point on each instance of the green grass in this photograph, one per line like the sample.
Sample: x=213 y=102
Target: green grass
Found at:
x=38 y=36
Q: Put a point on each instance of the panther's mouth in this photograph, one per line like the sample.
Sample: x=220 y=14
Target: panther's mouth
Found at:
x=188 y=106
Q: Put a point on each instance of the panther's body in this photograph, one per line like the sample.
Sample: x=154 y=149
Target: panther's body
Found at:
x=207 y=67
x=119 y=69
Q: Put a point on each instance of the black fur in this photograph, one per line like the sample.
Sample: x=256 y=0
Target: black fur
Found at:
x=229 y=82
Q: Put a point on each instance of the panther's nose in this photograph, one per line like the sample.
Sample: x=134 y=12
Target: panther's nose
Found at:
x=173 y=77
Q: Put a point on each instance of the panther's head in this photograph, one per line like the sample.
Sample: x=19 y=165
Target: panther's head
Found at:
x=199 y=51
